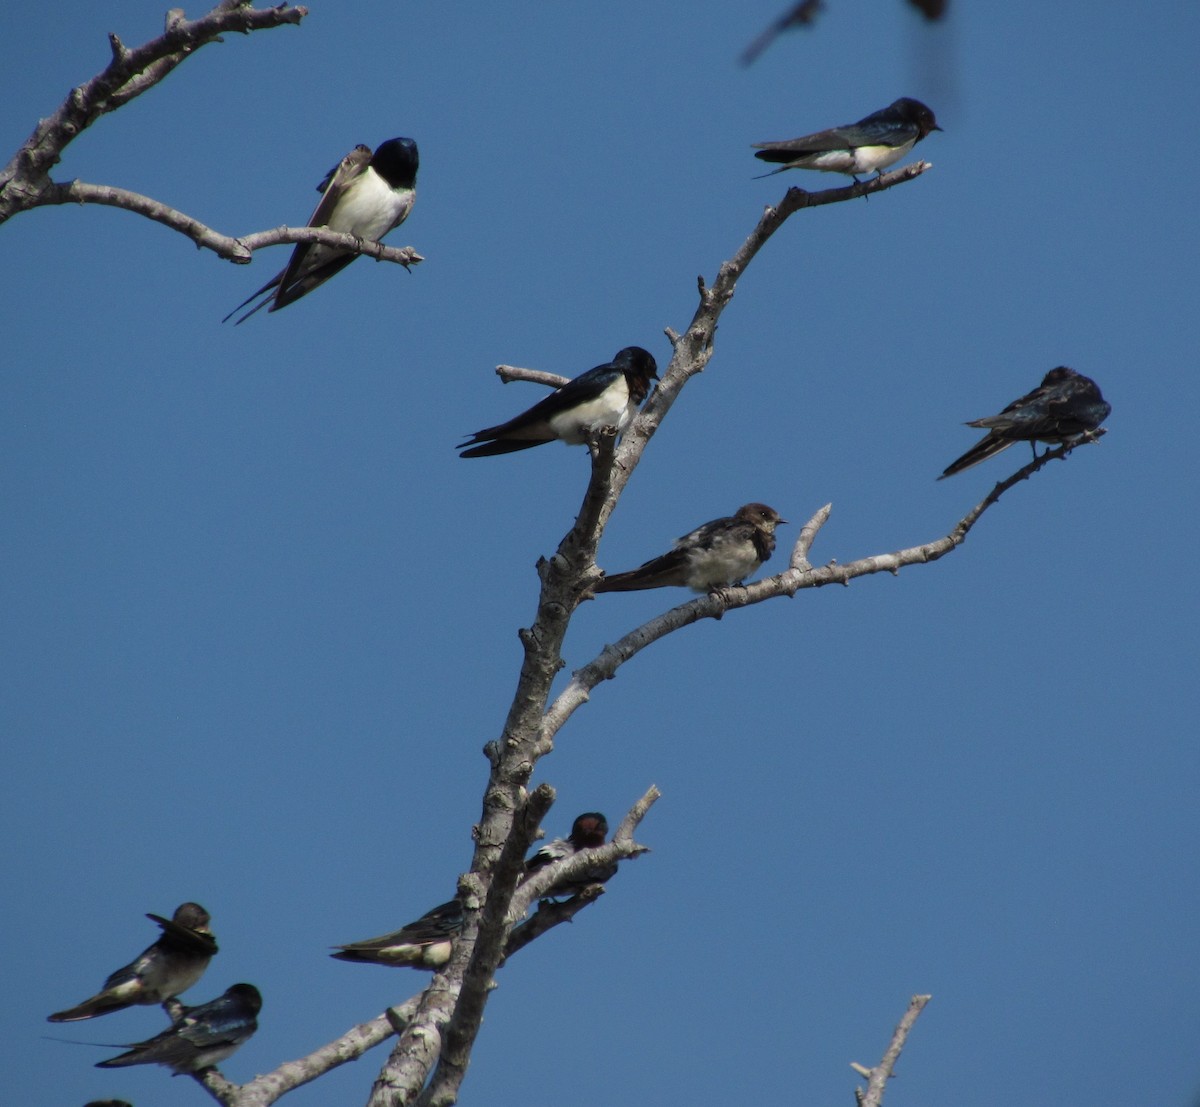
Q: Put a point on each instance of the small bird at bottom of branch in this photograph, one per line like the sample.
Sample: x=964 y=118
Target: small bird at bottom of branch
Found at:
x=423 y=944
x=587 y=832
x=868 y=146
x=1065 y=406
x=202 y=1036
x=720 y=553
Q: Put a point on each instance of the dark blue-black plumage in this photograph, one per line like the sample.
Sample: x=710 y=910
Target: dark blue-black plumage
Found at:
x=868 y=146
x=1064 y=406
x=201 y=1037
x=607 y=396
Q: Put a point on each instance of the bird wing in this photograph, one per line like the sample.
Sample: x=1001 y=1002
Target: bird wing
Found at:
x=184 y=937
x=532 y=425
x=298 y=277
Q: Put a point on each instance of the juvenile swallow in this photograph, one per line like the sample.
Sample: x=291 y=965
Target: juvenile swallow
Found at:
x=201 y=1037
x=587 y=831
x=868 y=146
x=1064 y=406
x=365 y=195
x=607 y=396
x=423 y=944
x=170 y=966
x=720 y=553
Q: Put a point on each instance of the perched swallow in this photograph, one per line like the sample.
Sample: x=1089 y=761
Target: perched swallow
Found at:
x=868 y=146
x=720 y=553
x=424 y=944
x=366 y=195
x=587 y=831
x=170 y=966
x=1064 y=406
x=201 y=1037
x=607 y=396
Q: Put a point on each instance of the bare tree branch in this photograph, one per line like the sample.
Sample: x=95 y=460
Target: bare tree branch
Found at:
x=798 y=576
x=566 y=577
x=877 y=1077
x=510 y=373
x=266 y=1089
x=25 y=182
x=492 y=946
x=130 y=73
x=238 y=250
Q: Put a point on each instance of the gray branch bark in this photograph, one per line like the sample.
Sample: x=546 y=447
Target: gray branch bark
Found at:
x=878 y=1077
x=25 y=182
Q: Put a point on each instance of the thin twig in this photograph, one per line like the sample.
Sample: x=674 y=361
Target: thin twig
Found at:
x=510 y=373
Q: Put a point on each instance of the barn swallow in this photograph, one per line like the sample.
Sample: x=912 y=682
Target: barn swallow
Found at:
x=170 y=966
x=587 y=831
x=720 y=553
x=201 y=1036
x=365 y=195
x=868 y=146
x=1064 y=406
x=423 y=944
x=606 y=396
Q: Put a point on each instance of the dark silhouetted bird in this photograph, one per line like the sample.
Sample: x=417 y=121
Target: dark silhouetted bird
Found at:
x=868 y=146
x=606 y=396
x=423 y=944
x=365 y=195
x=587 y=832
x=202 y=1036
x=1064 y=406
x=720 y=553
x=170 y=966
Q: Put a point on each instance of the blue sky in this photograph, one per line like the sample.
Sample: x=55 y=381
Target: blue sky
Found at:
x=259 y=620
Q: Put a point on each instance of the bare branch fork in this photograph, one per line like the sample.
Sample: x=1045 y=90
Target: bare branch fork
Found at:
x=436 y=1029
x=266 y=1089
x=878 y=1077
x=566 y=580
x=25 y=181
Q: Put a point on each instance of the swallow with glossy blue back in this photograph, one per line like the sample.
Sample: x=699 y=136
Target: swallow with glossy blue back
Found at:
x=425 y=943
x=201 y=1037
x=170 y=966
x=366 y=194
x=607 y=396
x=1066 y=405
x=868 y=146
x=713 y=556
